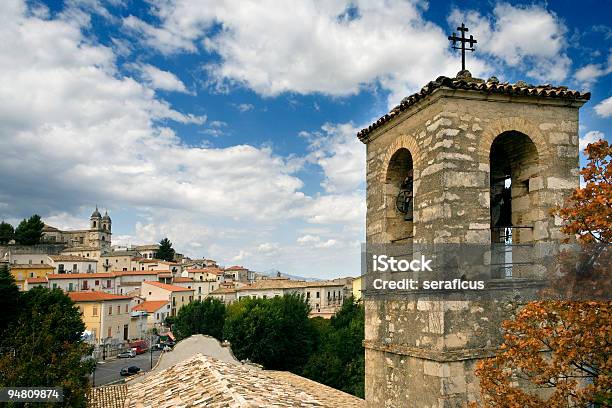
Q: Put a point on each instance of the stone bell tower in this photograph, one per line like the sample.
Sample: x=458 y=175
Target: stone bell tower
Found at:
x=483 y=161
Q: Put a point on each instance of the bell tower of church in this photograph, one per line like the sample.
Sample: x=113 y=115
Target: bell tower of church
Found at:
x=100 y=231
x=462 y=161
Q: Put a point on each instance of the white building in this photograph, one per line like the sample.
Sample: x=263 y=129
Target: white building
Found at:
x=72 y=264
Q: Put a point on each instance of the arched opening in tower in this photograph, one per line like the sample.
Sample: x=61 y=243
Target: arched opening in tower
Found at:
x=399 y=197
x=513 y=207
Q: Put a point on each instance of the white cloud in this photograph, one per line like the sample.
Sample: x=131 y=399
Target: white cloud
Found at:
x=528 y=37
x=341 y=156
x=316 y=241
x=332 y=209
x=245 y=107
x=590 y=137
x=308 y=239
x=590 y=73
x=164 y=80
x=306 y=46
x=604 y=108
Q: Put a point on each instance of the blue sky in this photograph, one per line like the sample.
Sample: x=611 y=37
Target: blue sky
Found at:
x=230 y=126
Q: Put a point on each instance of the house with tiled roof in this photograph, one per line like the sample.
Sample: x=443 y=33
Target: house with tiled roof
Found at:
x=177 y=296
x=155 y=311
x=72 y=264
x=203 y=381
x=239 y=274
x=22 y=272
x=225 y=294
x=202 y=281
x=324 y=297
x=35 y=282
x=106 y=316
x=70 y=282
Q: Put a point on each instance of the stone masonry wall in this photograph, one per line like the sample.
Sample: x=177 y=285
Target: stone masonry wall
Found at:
x=422 y=352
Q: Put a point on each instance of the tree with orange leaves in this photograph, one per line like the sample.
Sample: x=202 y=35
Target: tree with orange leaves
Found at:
x=559 y=353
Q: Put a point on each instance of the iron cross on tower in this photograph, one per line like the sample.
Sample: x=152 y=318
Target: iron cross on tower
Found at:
x=463 y=41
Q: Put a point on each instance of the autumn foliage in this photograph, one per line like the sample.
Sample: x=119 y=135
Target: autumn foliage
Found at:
x=559 y=353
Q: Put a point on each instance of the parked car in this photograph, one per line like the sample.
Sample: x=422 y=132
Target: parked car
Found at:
x=167 y=348
x=131 y=370
x=127 y=354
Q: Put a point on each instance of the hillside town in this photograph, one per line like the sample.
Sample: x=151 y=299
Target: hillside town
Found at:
x=125 y=293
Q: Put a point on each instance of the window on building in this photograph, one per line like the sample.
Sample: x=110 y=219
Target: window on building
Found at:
x=74 y=268
x=31 y=274
x=60 y=268
x=108 y=283
x=157 y=316
x=318 y=295
x=97 y=283
x=109 y=332
x=94 y=311
x=126 y=308
x=110 y=310
x=118 y=309
x=307 y=295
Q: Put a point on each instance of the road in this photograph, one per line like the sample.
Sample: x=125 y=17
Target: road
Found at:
x=108 y=371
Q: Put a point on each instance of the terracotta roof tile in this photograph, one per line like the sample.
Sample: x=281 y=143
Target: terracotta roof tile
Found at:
x=180 y=279
x=170 y=288
x=109 y=396
x=203 y=381
x=215 y=271
x=235 y=268
x=135 y=273
x=491 y=86
x=36 y=280
x=75 y=258
x=30 y=266
x=81 y=275
x=95 y=296
x=150 y=306
x=222 y=290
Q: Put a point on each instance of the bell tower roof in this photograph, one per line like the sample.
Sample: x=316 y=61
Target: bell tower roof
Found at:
x=106 y=216
x=465 y=82
x=96 y=213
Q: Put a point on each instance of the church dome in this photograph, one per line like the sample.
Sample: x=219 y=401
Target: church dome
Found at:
x=106 y=216
x=96 y=213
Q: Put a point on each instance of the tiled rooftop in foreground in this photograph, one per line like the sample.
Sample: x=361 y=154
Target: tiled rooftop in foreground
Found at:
x=203 y=381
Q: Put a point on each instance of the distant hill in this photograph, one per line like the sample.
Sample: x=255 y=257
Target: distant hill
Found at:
x=274 y=273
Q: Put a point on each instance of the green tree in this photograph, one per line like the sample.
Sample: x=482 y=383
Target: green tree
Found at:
x=165 y=251
x=339 y=359
x=29 y=232
x=7 y=232
x=276 y=332
x=200 y=317
x=46 y=347
x=9 y=299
